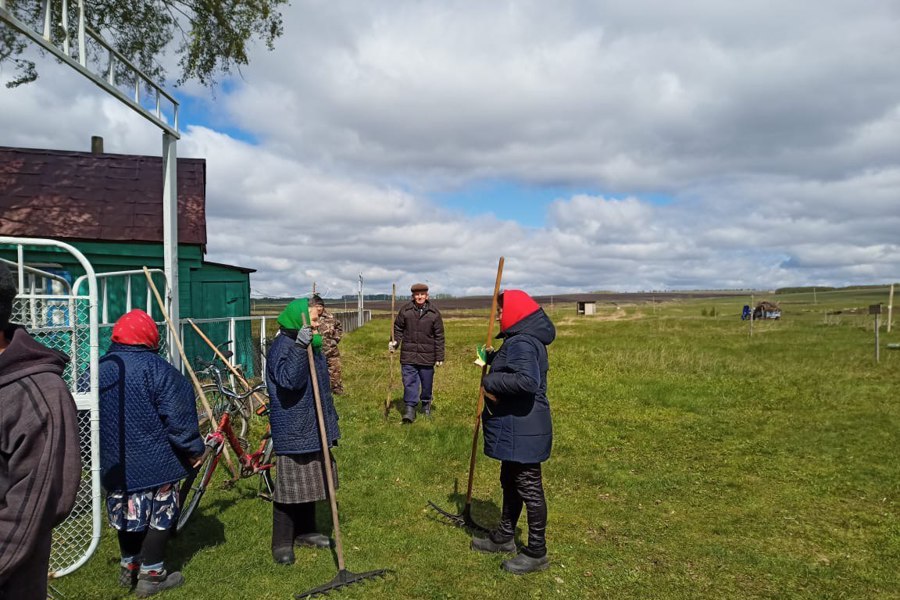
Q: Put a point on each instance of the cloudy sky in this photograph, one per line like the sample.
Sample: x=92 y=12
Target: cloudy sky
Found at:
x=615 y=145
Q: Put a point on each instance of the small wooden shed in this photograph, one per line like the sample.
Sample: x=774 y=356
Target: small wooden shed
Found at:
x=587 y=307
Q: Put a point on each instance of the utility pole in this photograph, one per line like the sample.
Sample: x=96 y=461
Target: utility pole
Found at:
x=890 y=308
x=359 y=303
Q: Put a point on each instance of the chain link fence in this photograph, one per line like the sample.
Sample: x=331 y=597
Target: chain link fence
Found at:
x=77 y=319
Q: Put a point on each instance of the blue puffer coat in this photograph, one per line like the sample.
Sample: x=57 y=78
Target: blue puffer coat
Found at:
x=292 y=411
x=148 y=420
x=517 y=427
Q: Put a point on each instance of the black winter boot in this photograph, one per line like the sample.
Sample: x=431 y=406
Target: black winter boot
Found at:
x=409 y=414
x=283 y=555
x=152 y=582
x=523 y=563
x=489 y=545
x=128 y=575
x=315 y=540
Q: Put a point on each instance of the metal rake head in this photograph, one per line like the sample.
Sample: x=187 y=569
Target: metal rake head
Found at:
x=342 y=579
x=463 y=519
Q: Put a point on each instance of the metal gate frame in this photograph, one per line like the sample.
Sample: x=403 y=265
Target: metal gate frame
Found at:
x=63 y=560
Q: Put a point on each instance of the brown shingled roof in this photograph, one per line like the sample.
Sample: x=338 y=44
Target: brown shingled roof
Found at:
x=108 y=197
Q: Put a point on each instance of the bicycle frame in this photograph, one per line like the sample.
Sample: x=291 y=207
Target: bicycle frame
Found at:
x=251 y=463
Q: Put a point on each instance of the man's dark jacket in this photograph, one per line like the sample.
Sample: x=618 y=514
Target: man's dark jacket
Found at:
x=292 y=411
x=420 y=332
x=148 y=420
x=40 y=461
x=517 y=427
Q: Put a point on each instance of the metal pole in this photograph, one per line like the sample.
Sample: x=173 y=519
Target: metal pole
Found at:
x=359 y=303
x=890 y=308
x=170 y=233
x=262 y=349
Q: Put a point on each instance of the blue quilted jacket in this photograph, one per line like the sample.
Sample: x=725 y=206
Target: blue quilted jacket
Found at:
x=148 y=420
x=292 y=412
x=518 y=427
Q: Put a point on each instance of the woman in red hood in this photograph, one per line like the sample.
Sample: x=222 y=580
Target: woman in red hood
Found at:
x=517 y=428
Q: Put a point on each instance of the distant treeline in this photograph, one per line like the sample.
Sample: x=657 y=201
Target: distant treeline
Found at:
x=825 y=288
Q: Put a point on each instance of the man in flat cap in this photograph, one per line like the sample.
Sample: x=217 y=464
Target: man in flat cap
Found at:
x=419 y=331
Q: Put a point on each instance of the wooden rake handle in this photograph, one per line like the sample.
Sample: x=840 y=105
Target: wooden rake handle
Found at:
x=187 y=365
x=224 y=360
x=480 y=405
x=326 y=454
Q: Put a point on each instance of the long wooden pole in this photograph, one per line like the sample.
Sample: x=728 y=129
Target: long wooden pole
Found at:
x=326 y=455
x=187 y=365
x=480 y=405
x=390 y=392
x=224 y=360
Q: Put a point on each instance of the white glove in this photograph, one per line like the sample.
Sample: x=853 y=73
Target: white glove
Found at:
x=392 y=345
x=439 y=363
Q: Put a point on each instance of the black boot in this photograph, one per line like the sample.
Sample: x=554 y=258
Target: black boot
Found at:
x=523 y=563
x=409 y=414
x=315 y=540
x=489 y=545
x=283 y=555
x=426 y=409
x=150 y=583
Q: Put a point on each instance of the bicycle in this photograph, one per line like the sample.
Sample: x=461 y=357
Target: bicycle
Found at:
x=228 y=405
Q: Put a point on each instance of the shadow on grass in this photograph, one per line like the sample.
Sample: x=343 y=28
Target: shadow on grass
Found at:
x=204 y=530
x=485 y=513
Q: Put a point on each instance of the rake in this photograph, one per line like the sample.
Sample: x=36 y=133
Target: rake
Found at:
x=343 y=577
x=465 y=519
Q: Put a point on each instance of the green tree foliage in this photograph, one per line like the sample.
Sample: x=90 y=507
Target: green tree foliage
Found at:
x=210 y=37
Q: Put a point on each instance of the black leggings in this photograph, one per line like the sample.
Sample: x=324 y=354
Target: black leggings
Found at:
x=150 y=544
x=522 y=484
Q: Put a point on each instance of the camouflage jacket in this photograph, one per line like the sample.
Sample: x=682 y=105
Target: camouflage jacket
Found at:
x=331 y=331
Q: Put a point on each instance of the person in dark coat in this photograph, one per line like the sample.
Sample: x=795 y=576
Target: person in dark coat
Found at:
x=300 y=478
x=517 y=427
x=40 y=461
x=419 y=331
x=149 y=439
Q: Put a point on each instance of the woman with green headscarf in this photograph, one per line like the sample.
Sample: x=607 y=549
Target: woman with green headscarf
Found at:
x=300 y=475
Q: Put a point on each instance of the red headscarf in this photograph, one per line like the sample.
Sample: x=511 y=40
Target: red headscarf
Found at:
x=136 y=328
x=516 y=306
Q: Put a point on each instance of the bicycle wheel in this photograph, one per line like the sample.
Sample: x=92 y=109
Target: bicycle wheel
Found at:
x=219 y=403
x=266 y=481
x=193 y=488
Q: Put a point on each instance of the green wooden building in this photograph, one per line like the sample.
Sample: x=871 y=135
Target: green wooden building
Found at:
x=109 y=206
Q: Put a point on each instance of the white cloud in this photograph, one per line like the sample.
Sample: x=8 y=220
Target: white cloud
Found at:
x=771 y=130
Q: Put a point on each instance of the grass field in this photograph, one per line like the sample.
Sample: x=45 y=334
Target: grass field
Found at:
x=690 y=460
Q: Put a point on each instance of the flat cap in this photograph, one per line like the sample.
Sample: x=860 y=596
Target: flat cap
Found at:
x=418 y=287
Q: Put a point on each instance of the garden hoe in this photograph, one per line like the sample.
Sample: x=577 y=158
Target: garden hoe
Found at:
x=465 y=519
x=390 y=392
x=343 y=577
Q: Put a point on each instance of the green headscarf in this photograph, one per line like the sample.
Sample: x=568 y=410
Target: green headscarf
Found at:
x=292 y=318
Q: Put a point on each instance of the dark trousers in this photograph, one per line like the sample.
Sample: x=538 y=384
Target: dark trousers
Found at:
x=417 y=383
x=29 y=581
x=149 y=544
x=291 y=520
x=522 y=484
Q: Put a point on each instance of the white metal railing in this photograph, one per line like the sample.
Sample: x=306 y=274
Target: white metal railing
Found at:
x=57 y=38
x=77 y=334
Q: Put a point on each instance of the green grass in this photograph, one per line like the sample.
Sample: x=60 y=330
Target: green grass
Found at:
x=690 y=461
